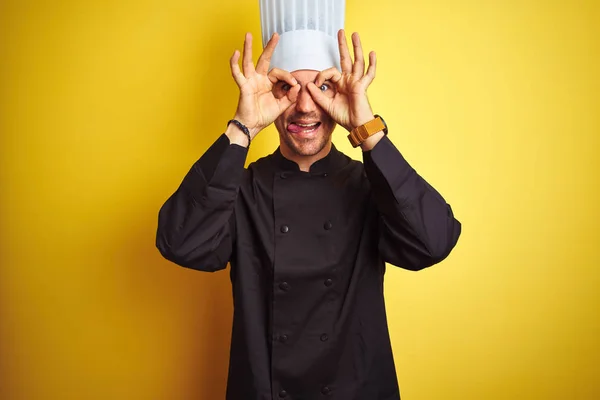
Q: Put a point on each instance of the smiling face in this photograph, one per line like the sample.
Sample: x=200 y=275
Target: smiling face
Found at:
x=304 y=128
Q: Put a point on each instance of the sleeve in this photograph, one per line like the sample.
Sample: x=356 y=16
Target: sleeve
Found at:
x=196 y=224
x=417 y=226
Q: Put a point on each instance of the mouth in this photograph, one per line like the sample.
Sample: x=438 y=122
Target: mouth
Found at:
x=303 y=128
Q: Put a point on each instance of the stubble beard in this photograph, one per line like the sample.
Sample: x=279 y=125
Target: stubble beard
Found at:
x=306 y=147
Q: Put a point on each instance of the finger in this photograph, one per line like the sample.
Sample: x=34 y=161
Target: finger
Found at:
x=368 y=78
x=289 y=99
x=262 y=66
x=276 y=75
x=318 y=96
x=235 y=68
x=358 y=68
x=345 y=60
x=331 y=74
x=247 y=63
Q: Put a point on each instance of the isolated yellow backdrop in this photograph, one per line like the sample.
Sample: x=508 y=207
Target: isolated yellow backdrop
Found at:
x=104 y=105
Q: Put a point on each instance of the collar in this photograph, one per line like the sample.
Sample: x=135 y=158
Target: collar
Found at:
x=333 y=161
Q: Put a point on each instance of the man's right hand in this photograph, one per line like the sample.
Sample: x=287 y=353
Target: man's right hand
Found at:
x=257 y=106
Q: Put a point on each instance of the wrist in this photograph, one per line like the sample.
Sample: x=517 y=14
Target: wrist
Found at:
x=236 y=136
x=363 y=119
x=372 y=141
x=368 y=134
x=252 y=130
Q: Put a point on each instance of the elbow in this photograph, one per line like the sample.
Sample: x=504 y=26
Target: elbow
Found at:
x=441 y=249
x=169 y=252
x=418 y=255
x=416 y=261
x=406 y=257
x=197 y=257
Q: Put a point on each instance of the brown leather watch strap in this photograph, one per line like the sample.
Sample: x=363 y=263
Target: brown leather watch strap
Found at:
x=361 y=133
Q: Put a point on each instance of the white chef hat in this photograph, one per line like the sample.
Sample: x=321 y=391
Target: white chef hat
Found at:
x=308 y=32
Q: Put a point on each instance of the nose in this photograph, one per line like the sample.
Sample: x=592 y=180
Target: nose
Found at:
x=305 y=102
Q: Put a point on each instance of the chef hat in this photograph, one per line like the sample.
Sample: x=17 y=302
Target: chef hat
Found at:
x=308 y=32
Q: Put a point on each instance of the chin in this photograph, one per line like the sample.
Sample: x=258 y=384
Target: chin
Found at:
x=306 y=147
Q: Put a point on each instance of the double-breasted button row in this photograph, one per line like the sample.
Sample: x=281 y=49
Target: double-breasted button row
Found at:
x=285 y=175
x=324 y=390
x=286 y=286
x=284 y=338
x=285 y=228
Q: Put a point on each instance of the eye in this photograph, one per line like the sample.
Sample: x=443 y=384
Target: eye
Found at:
x=324 y=87
x=285 y=87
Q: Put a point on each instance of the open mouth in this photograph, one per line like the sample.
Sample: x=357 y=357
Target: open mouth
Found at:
x=297 y=127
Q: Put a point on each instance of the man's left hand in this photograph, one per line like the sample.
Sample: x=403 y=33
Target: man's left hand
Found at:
x=349 y=105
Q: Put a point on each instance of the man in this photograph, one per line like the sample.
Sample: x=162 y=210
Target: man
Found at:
x=307 y=231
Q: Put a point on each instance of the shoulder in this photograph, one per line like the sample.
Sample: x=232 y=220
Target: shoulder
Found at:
x=350 y=165
x=265 y=163
x=260 y=169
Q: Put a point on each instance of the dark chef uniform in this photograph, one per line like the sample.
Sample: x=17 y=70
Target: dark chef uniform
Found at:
x=307 y=253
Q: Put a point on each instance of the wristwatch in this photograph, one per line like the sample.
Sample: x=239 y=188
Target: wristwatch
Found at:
x=361 y=133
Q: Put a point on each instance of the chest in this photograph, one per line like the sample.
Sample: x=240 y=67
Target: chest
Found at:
x=303 y=222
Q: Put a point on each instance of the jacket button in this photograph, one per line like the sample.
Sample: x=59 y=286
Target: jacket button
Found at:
x=328 y=282
x=284 y=286
x=325 y=390
x=283 y=338
x=324 y=337
x=328 y=225
x=285 y=229
x=282 y=394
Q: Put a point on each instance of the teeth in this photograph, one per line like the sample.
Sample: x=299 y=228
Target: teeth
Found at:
x=307 y=125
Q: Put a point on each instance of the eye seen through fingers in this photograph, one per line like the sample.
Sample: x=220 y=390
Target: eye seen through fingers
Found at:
x=281 y=88
x=327 y=88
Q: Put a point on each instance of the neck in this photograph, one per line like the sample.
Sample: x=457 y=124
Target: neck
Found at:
x=304 y=162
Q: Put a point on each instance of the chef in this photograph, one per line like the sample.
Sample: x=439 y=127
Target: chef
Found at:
x=307 y=230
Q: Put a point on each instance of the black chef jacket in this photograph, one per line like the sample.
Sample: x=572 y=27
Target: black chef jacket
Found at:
x=307 y=253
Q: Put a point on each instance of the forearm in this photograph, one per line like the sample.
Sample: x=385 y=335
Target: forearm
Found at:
x=418 y=226
x=372 y=141
x=194 y=223
x=236 y=136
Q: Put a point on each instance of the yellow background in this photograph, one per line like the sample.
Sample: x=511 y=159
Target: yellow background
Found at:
x=104 y=105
